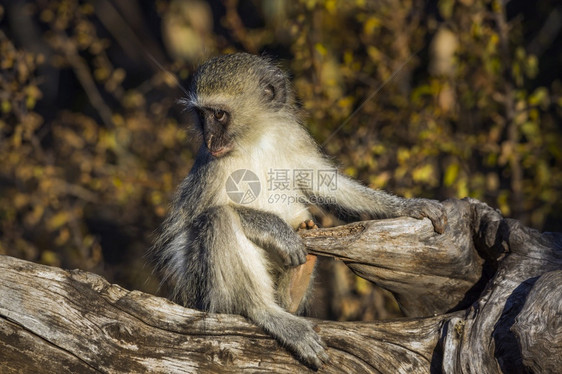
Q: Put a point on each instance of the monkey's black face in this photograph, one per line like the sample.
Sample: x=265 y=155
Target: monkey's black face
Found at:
x=214 y=124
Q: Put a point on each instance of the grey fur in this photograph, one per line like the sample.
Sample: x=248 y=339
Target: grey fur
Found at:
x=225 y=257
x=270 y=232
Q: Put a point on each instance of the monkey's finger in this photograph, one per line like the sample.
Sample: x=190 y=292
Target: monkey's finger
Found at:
x=436 y=213
x=320 y=360
x=434 y=210
x=297 y=259
x=313 y=353
x=320 y=341
x=321 y=351
x=439 y=223
x=307 y=225
x=294 y=255
x=310 y=224
x=300 y=257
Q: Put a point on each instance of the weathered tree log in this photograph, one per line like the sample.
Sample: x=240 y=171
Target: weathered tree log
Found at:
x=428 y=273
x=489 y=290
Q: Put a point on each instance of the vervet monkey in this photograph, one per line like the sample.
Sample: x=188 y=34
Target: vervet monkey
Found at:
x=221 y=253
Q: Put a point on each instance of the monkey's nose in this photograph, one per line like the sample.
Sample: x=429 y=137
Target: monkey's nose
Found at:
x=209 y=142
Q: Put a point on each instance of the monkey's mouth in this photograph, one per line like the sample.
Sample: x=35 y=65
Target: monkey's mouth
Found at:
x=220 y=151
x=218 y=146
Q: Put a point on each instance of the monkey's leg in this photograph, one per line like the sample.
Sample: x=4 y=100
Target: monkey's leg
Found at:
x=273 y=234
x=350 y=197
x=241 y=283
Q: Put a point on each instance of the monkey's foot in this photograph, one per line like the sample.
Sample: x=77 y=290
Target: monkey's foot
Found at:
x=432 y=209
x=300 y=338
x=307 y=225
x=311 y=349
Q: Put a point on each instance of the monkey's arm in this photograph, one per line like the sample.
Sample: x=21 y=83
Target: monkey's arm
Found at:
x=273 y=234
x=348 y=197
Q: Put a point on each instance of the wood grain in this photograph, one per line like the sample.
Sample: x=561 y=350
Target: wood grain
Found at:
x=484 y=297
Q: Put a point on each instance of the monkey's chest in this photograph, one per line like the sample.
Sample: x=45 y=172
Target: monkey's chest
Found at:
x=270 y=189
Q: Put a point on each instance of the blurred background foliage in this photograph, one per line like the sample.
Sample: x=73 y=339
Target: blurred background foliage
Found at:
x=439 y=99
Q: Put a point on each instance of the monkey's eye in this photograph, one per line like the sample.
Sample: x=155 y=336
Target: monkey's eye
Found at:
x=221 y=116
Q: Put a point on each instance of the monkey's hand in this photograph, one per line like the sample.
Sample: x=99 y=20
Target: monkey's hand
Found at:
x=290 y=249
x=434 y=210
x=274 y=235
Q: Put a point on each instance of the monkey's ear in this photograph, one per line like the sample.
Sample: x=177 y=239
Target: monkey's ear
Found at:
x=269 y=92
x=275 y=91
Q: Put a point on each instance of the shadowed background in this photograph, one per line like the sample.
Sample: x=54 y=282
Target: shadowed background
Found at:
x=441 y=99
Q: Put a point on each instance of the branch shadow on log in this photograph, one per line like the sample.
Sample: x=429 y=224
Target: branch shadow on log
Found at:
x=540 y=346
x=506 y=344
x=52 y=320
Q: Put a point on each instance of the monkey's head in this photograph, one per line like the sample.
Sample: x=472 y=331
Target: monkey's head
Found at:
x=235 y=97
